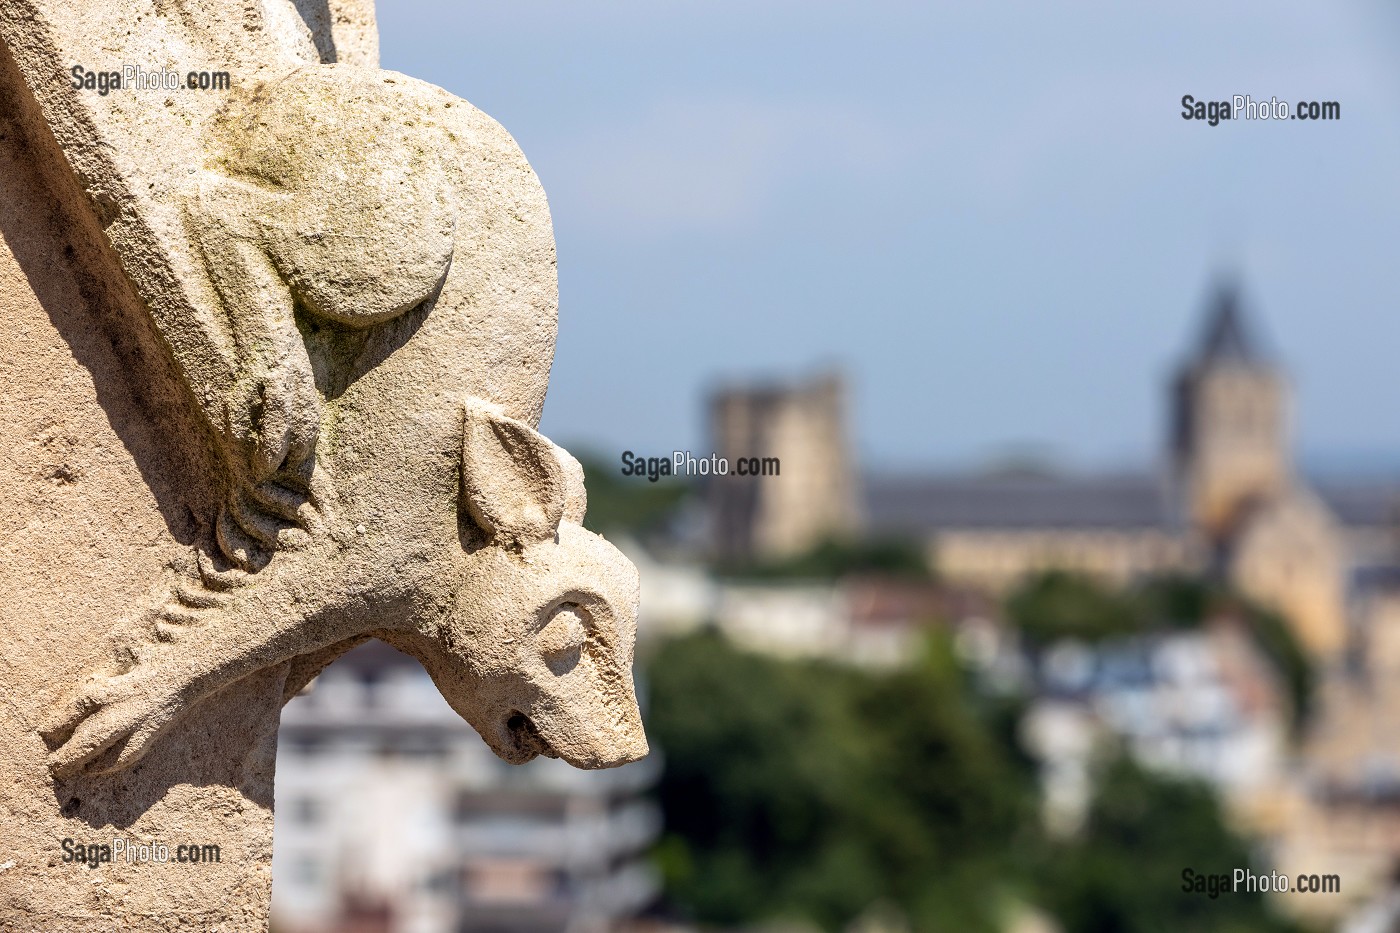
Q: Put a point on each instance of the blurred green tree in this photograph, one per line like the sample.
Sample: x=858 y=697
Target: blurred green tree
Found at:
x=1059 y=604
x=1124 y=873
x=834 y=558
x=810 y=790
x=816 y=792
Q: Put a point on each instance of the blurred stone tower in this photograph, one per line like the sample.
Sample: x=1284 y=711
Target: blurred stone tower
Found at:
x=813 y=497
x=1270 y=534
x=1230 y=431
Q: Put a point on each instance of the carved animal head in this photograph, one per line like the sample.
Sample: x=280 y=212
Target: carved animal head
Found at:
x=536 y=653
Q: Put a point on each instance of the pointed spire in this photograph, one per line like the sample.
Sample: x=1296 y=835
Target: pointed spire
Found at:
x=1226 y=337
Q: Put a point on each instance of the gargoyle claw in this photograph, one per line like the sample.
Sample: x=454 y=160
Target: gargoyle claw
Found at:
x=125 y=712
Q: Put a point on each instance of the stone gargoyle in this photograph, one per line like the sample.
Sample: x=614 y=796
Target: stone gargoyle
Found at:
x=379 y=272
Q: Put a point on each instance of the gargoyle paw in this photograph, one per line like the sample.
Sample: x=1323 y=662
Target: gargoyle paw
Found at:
x=107 y=725
x=257 y=521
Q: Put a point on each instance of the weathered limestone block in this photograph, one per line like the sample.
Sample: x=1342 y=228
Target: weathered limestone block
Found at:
x=273 y=358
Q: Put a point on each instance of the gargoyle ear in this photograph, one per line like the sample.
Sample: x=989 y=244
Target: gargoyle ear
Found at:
x=575 y=494
x=514 y=484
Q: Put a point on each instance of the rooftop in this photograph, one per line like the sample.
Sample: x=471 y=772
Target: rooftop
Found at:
x=1227 y=336
x=913 y=504
x=919 y=504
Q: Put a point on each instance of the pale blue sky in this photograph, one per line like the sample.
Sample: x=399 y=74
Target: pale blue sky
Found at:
x=993 y=216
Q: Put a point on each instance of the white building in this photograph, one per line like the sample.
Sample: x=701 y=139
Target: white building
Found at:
x=1200 y=704
x=394 y=816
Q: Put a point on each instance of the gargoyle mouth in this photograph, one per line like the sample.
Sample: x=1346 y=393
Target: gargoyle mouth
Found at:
x=526 y=740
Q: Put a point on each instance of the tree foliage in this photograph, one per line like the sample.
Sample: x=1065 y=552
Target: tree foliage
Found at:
x=834 y=558
x=1058 y=605
x=1125 y=872
x=805 y=791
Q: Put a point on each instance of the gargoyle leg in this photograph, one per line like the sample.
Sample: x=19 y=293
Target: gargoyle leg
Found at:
x=208 y=635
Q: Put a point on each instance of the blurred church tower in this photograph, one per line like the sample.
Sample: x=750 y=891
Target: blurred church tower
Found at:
x=1271 y=536
x=814 y=496
x=1230 y=442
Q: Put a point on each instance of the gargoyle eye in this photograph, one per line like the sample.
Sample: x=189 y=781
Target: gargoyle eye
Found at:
x=561 y=640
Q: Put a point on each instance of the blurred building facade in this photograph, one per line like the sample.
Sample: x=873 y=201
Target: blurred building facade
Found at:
x=1228 y=500
x=393 y=816
x=1201 y=704
x=804 y=428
